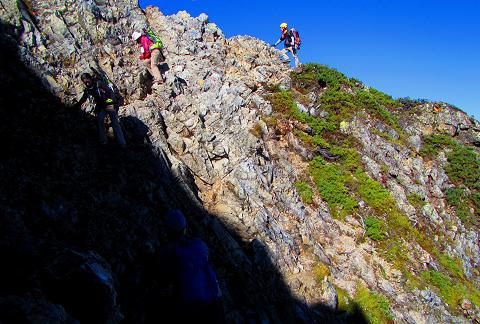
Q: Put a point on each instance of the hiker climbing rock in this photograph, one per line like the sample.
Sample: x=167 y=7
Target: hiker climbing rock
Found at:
x=291 y=39
x=104 y=98
x=151 y=48
x=196 y=292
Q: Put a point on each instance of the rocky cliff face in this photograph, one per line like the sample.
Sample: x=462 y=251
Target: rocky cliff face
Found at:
x=321 y=199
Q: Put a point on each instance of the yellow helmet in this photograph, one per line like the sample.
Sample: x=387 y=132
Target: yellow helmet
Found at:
x=283 y=25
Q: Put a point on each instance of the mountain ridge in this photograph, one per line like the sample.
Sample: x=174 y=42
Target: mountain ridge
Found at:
x=304 y=176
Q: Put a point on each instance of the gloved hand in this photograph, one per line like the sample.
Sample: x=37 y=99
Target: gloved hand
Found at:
x=273 y=45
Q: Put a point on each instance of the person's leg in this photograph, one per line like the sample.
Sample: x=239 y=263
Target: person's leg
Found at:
x=117 y=129
x=157 y=76
x=147 y=63
x=284 y=54
x=295 y=56
x=101 y=126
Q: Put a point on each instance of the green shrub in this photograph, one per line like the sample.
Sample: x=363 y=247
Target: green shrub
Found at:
x=410 y=103
x=416 y=200
x=453 y=266
x=463 y=212
x=383 y=98
x=317 y=74
x=273 y=88
x=321 y=271
x=375 y=306
x=375 y=228
x=458 y=198
x=349 y=158
x=381 y=134
x=373 y=193
x=271 y=121
x=450 y=292
x=464 y=167
x=282 y=102
x=312 y=141
x=345 y=302
x=340 y=106
x=331 y=186
x=304 y=191
x=376 y=102
x=394 y=251
x=455 y=196
x=318 y=141
x=317 y=125
x=433 y=144
x=475 y=199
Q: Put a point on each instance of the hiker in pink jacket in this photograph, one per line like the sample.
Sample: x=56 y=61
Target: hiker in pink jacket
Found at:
x=151 y=54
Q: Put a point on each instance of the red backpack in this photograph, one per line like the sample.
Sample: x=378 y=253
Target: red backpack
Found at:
x=296 y=36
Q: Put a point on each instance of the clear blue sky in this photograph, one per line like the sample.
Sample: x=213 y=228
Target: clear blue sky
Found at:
x=417 y=48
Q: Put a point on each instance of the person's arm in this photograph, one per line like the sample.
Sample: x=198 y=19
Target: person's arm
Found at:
x=281 y=39
x=82 y=100
x=277 y=42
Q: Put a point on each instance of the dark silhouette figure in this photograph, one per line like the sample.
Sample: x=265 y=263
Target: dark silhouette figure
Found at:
x=193 y=288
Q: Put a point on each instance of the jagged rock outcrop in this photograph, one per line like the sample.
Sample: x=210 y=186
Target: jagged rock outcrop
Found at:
x=89 y=220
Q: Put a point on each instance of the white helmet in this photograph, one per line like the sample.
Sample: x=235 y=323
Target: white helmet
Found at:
x=136 y=35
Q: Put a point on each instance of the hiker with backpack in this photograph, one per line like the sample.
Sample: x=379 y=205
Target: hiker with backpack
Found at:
x=196 y=294
x=291 y=39
x=105 y=102
x=151 y=49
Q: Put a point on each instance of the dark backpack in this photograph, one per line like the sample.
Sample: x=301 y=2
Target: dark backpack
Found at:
x=296 y=36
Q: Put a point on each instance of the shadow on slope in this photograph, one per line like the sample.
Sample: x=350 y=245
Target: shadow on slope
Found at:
x=81 y=224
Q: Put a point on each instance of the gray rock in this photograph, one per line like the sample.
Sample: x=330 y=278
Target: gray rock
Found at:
x=431 y=298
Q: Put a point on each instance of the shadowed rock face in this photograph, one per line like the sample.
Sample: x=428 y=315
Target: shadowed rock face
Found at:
x=81 y=227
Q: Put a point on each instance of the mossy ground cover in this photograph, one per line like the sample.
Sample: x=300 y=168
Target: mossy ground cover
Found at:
x=463 y=166
x=388 y=225
x=416 y=200
x=451 y=291
x=343 y=183
x=341 y=104
x=463 y=169
x=434 y=143
x=461 y=201
x=321 y=271
x=304 y=191
x=375 y=306
x=364 y=305
x=330 y=181
x=375 y=228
